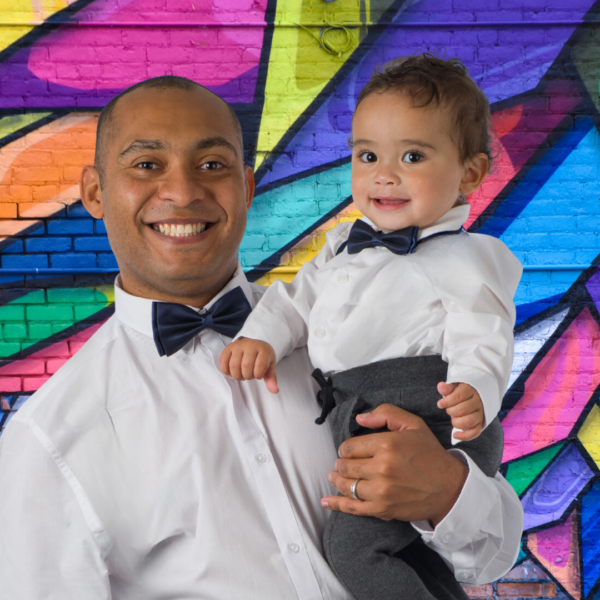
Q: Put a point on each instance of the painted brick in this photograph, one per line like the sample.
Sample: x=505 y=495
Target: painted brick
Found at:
x=92 y=244
x=9 y=349
x=11 y=384
x=70 y=226
x=73 y=260
x=99 y=226
x=479 y=591
x=77 y=210
x=10 y=312
x=54 y=365
x=71 y=295
x=14 y=331
x=25 y=261
x=519 y=590
x=23 y=367
x=32 y=384
x=50 y=312
x=48 y=244
x=107 y=261
x=39 y=331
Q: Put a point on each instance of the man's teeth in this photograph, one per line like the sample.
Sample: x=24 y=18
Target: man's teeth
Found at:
x=180 y=230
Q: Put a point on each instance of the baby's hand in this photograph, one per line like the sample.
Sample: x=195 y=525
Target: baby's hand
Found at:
x=464 y=405
x=250 y=359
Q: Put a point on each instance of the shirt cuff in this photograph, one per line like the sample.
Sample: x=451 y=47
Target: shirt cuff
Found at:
x=264 y=325
x=467 y=517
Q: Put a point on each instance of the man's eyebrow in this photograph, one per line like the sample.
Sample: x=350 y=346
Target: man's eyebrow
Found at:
x=215 y=142
x=141 y=145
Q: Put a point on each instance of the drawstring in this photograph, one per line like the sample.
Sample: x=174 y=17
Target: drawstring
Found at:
x=324 y=396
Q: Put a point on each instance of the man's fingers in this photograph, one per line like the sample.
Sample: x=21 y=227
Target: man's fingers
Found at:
x=349 y=506
x=390 y=416
x=355 y=468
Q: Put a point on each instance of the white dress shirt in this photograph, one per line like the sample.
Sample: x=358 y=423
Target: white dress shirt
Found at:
x=453 y=296
x=130 y=476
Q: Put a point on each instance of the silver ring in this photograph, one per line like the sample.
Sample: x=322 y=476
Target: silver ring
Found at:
x=353 y=490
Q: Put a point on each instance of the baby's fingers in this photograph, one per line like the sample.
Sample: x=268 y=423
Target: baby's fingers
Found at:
x=469 y=422
x=224 y=361
x=469 y=434
x=271 y=379
x=462 y=409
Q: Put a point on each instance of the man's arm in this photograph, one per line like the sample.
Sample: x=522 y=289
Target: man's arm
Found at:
x=474 y=522
x=47 y=549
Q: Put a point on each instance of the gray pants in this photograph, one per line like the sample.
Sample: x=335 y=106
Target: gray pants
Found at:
x=387 y=560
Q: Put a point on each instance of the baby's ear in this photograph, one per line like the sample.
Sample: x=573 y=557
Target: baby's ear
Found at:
x=476 y=170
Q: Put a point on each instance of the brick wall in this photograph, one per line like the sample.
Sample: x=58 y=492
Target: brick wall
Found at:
x=537 y=60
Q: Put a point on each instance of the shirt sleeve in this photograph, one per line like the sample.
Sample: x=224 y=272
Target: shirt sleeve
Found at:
x=480 y=537
x=47 y=549
x=476 y=281
x=281 y=317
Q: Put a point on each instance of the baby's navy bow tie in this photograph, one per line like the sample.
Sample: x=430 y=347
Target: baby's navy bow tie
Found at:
x=362 y=235
x=174 y=325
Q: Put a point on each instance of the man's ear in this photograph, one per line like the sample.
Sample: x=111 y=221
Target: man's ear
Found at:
x=476 y=170
x=249 y=175
x=91 y=193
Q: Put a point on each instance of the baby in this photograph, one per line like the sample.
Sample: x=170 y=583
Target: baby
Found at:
x=402 y=306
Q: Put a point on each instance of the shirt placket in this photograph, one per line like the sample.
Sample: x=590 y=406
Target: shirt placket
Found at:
x=270 y=486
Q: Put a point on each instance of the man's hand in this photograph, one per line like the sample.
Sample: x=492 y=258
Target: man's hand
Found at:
x=405 y=474
x=464 y=405
x=247 y=359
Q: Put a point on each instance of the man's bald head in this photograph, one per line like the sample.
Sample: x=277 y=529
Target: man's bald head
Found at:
x=105 y=130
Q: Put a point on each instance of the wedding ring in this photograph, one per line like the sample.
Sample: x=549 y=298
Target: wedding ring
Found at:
x=353 y=490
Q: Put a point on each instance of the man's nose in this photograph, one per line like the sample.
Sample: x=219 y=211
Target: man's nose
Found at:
x=179 y=185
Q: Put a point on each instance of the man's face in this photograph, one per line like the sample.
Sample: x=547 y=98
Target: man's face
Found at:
x=175 y=193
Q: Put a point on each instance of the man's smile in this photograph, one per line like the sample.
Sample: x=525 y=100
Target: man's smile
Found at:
x=180 y=229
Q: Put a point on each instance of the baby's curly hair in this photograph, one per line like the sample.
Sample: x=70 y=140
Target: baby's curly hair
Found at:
x=429 y=79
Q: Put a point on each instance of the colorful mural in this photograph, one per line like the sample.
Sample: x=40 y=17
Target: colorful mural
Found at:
x=292 y=70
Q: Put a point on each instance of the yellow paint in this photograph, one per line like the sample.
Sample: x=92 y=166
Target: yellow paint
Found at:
x=25 y=11
x=307 y=248
x=299 y=68
x=106 y=292
x=13 y=123
x=589 y=434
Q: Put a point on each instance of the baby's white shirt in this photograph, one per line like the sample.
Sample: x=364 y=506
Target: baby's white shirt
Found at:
x=452 y=296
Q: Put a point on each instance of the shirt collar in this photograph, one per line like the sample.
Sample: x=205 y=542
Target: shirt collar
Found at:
x=136 y=312
x=451 y=221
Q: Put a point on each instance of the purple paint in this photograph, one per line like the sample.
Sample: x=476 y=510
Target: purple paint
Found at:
x=554 y=491
x=85 y=66
x=501 y=68
x=593 y=287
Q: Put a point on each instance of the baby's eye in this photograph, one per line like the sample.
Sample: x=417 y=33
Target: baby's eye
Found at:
x=412 y=157
x=367 y=157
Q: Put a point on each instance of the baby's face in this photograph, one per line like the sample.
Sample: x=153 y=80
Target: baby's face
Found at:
x=405 y=167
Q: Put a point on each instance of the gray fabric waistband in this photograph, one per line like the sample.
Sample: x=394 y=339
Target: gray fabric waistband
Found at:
x=406 y=372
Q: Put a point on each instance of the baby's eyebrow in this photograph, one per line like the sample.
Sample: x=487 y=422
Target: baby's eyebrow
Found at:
x=418 y=143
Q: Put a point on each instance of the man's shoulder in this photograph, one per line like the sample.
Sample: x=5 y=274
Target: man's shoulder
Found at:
x=75 y=382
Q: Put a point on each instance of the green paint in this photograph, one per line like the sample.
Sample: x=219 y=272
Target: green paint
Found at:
x=13 y=123
x=11 y=313
x=521 y=473
x=30 y=319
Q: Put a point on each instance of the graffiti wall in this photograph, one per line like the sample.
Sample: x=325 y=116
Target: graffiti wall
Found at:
x=292 y=70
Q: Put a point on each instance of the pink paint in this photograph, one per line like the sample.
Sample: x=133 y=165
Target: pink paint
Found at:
x=556 y=392
x=44 y=363
x=219 y=55
x=558 y=551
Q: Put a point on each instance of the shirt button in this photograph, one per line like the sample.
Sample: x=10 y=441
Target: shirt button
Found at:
x=465 y=574
x=261 y=458
x=343 y=278
x=446 y=538
x=320 y=333
x=294 y=548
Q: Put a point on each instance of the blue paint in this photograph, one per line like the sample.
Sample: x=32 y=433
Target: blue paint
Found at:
x=551 y=218
x=282 y=215
x=526 y=311
x=590 y=538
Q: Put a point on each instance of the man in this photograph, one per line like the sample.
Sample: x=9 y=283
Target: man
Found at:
x=135 y=475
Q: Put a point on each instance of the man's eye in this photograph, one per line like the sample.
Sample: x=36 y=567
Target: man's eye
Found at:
x=211 y=165
x=147 y=165
x=367 y=157
x=412 y=157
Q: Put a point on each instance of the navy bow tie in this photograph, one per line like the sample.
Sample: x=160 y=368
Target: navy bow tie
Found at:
x=401 y=241
x=174 y=325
